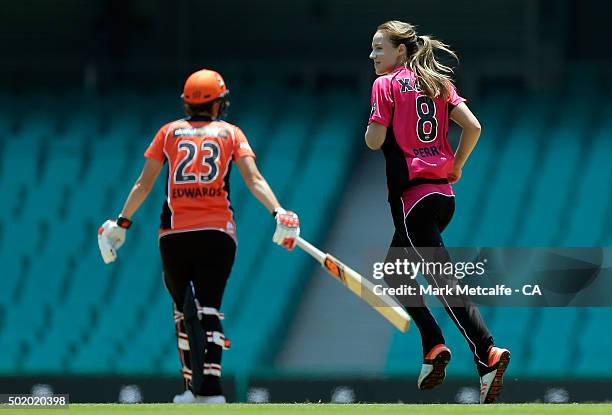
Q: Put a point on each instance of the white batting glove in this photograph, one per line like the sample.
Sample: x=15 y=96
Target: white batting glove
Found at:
x=109 y=254
x=111 y=237
x=287 y=228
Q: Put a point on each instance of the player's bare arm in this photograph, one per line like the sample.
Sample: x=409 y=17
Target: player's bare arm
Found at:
x=257 y=184
x=375 y=135
x=142 y=187
x=111 y=234
x=462 y=115
x=287 y=222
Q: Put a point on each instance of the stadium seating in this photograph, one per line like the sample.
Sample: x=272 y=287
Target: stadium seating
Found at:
x=63 y=311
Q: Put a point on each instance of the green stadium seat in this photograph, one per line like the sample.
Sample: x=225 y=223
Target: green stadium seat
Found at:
x=63 y=176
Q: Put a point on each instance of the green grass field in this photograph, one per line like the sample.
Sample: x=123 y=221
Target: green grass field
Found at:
x=290 y=409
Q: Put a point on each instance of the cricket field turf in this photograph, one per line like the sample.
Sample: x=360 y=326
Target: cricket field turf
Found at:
x=290 y=409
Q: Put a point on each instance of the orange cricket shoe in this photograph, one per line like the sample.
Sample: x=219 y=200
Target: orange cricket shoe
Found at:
x=491 y=384
x=433 y=370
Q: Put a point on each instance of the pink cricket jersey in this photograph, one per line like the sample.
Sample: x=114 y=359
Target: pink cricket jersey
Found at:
x=416 y=146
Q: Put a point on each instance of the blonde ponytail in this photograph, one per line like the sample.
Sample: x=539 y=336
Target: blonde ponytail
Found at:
x=433 y=77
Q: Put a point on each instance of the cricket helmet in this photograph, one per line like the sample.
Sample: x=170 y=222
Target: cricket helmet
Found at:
x=204 y=86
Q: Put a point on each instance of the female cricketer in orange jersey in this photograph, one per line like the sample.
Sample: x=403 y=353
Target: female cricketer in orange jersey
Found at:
x=412 y=101
x=197 y=236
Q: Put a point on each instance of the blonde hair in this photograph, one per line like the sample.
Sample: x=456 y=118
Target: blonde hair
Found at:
x=433 y=77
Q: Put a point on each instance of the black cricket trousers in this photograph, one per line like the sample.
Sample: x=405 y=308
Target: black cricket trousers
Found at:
x=415 y=236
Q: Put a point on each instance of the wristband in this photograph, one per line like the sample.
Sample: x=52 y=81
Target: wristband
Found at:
x=124 y=222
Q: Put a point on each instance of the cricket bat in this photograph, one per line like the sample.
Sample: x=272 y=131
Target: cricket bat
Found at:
x=362 y=287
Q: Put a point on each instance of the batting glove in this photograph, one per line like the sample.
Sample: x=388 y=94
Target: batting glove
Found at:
x=287 y=228
x=111 y=236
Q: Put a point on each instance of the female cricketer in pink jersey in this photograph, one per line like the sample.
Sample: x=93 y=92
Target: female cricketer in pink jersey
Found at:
x=197 y=237
x=413 y=99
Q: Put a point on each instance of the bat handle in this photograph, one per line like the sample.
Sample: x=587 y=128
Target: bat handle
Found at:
x=310 y=249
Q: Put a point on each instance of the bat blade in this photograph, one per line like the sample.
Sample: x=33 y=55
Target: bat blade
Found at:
x=362 y=287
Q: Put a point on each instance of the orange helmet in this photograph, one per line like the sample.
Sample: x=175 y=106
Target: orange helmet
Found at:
x=204 y=86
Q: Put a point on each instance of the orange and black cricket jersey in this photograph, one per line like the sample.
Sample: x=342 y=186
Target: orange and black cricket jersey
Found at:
x=199 y=153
